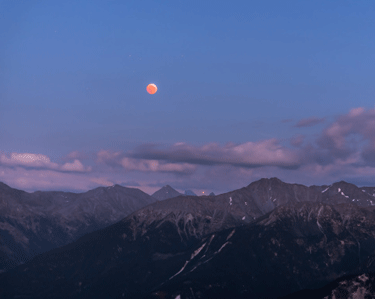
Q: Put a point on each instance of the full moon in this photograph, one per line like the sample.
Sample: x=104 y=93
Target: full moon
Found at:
x=151 y=88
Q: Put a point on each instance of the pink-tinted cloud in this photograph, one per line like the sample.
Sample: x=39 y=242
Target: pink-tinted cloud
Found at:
x=250 y=154
x=156 y=166
x=309 y=122
x=27 y=160
x=39 y=161
x=343 y=150
x=75 y=166
x=351 y=133
x=297 y=140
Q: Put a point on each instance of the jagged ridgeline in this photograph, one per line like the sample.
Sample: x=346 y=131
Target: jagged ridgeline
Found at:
x=266 y=240
x=32 y=223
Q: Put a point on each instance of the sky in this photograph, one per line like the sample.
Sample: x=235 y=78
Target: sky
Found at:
x=246 y=90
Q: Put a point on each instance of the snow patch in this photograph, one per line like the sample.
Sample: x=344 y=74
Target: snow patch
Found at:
x=339 y=189
x=196 y=252
x=231 y=234
x=243 y=218
x=363 y=190
x=274 y=199
x=182 y=269
x=225 y=244
x=342 y=193
x=230 y=200
x=245 y=203
x=325 y=190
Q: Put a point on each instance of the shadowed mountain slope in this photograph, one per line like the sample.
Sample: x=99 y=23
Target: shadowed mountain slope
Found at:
x=32 y=223
x=347 y=287
x=294 y=247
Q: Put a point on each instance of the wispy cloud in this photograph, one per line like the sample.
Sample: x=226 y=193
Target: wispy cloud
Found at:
x=343 y=150
x=309 y=122
x=250 y=154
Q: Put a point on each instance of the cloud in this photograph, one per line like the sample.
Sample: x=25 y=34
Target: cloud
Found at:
x=102 y=181
x=75 y=166
x=39 y=161
x=309 y=122
x=130 y=183
x=343 y=150
x=116 y=159
x=156 y=166
x=297 y=140
x=250 y=154
x=351 y=133
x=27 y=160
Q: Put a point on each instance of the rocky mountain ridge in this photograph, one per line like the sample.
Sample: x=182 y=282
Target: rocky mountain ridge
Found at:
x=294 y=247
x=239 y=244
x=32 y=223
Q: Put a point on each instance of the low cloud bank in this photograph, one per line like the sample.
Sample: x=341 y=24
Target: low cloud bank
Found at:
x=343 y=150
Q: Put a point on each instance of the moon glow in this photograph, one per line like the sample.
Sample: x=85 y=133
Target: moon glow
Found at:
x=151 y=88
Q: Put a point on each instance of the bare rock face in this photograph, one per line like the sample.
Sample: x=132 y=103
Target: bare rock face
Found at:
x=266 y=240
x=165 y=193
x=32 y=223
x=295 y=247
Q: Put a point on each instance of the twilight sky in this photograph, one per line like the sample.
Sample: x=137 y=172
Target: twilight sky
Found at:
x=246 y=90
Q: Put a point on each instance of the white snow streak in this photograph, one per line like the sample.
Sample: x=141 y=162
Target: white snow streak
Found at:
x=182 y=269
x=225 y=244
x=231 y=234
x=194 y=254
x=342 y=193
x=325 y=190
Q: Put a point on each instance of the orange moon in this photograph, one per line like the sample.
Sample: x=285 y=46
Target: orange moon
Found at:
x=151 y=88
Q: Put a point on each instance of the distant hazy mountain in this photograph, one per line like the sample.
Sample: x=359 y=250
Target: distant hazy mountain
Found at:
x=165 y=193
x=32 y=223
x=212 y=194
x=266 y=240
x=190 y=193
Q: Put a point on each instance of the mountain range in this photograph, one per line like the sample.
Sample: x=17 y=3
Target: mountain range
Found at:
x=267 y=240
x=32 y=223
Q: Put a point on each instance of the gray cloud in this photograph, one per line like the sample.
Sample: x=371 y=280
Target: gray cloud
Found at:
x=350 y=134
x=309 y=122
x=297 y=140
x=250 y=154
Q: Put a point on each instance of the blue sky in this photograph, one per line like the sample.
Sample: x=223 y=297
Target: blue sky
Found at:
x=273 y=88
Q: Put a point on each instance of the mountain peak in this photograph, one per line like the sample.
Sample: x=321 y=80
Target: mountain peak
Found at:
x=272 y=181
x=190 y=193
x=165 y=193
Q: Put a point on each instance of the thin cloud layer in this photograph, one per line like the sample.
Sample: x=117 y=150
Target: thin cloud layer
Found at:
x=309 y=122
x=250 y=154
x=343 y=150
x=116 y=159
